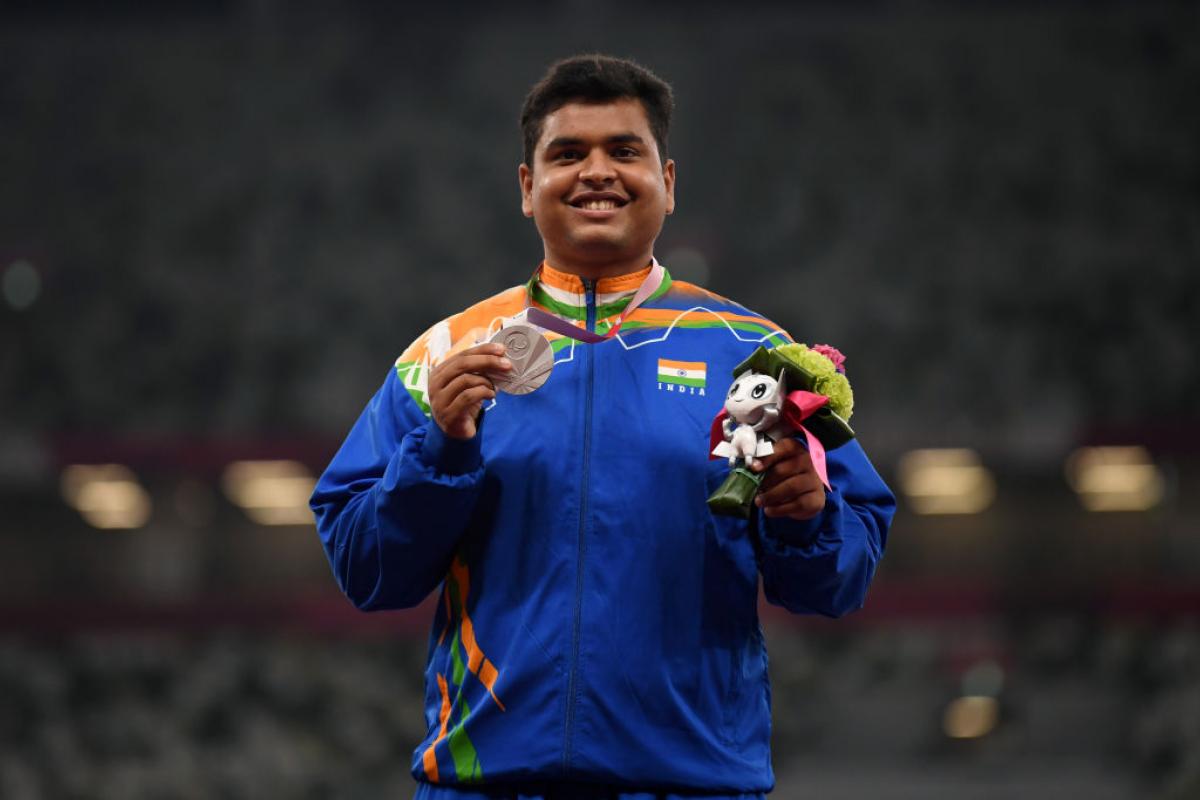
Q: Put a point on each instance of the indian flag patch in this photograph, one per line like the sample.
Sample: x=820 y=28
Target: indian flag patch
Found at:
x=682 y=376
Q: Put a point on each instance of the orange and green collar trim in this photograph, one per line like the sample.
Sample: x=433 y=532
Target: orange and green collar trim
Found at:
x=563 y=293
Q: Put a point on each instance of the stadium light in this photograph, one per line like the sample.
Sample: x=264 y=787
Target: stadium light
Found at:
x=971 y=717
x=1115 y=478
x=107 y=496
x=270 y=492
x=946 y=481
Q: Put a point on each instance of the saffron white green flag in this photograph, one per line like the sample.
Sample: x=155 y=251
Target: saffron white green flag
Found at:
x=682 y=373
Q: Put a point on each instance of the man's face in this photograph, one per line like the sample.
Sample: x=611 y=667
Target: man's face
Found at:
x=597 y=189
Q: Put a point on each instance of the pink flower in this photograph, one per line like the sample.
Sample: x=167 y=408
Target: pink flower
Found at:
x=833 y=354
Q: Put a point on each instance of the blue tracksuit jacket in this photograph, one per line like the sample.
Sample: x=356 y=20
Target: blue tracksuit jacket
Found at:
x=595 y=622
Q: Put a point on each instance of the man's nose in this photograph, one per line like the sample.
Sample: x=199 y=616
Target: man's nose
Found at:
x=597 y=168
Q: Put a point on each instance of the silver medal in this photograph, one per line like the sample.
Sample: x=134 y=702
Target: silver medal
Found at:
x=531 y=357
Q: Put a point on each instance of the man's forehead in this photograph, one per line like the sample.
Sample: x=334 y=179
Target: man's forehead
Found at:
x=580 y=119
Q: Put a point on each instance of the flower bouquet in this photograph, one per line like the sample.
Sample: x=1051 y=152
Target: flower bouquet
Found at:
x=790 y=390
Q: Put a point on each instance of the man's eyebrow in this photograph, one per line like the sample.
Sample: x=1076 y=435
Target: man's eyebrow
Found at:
x=563 y=141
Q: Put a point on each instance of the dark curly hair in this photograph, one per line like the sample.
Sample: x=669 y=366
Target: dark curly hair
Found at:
x=596 y=78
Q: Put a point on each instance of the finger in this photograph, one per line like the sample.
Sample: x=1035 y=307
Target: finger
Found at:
x=467 y=403
x=463 y=364
x=485 y=349
x=782 y=470
x=805 y=507
x=493 y=349
x=447 y=373
x=441 y=401
x=782 y=449
x=788 y=490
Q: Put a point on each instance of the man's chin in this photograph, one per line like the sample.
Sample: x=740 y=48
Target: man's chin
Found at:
x=599 y=242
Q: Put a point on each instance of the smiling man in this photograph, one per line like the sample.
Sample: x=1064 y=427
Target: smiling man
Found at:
x=596 y=629
x=600 y=187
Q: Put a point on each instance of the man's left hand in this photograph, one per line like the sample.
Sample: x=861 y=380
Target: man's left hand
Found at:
x=791 y=486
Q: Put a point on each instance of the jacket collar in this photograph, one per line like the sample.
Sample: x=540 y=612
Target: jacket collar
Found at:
x=563 y=293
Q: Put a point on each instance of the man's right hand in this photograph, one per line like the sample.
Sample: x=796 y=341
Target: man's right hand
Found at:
x=458 y=388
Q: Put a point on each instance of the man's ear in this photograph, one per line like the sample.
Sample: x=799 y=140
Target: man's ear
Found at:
x=669 y=182
x=525 y=176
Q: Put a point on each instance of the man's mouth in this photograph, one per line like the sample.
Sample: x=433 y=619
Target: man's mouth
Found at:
x=591 y=202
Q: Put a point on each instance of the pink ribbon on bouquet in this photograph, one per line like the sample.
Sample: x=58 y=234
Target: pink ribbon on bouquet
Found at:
x=797 y=407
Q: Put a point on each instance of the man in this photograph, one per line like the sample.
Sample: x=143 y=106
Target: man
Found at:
x=596 y=626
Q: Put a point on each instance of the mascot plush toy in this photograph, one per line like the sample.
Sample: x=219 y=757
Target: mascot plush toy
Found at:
x=791 y=390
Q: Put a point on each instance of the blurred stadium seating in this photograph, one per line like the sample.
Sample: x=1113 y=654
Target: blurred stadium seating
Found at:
x=1086 y=708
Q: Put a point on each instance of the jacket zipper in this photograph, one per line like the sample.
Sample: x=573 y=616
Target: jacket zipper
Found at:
x=589 y=289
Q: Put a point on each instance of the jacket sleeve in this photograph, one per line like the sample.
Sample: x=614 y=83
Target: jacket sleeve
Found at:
x=394 y=502
x=825 y=564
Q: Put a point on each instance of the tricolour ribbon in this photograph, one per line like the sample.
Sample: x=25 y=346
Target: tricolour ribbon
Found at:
x=550 y=322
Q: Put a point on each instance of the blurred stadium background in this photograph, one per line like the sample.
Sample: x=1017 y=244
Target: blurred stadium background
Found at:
x=221 y=221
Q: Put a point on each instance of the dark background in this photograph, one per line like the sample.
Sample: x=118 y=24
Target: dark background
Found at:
x=221 y=222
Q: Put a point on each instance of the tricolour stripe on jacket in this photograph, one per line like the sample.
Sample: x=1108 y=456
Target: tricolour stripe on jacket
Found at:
x=467 y=767
x=479 y=322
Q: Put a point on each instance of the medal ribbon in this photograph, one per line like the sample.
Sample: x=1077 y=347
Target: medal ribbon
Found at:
x=546 y=320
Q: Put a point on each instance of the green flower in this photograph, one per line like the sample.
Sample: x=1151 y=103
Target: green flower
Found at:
x=837 y=389
x=826 y=379
x=808 y=360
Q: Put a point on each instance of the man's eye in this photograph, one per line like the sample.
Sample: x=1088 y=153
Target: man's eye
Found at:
x=758 y=391
x=568 y=155
x=625 y=152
